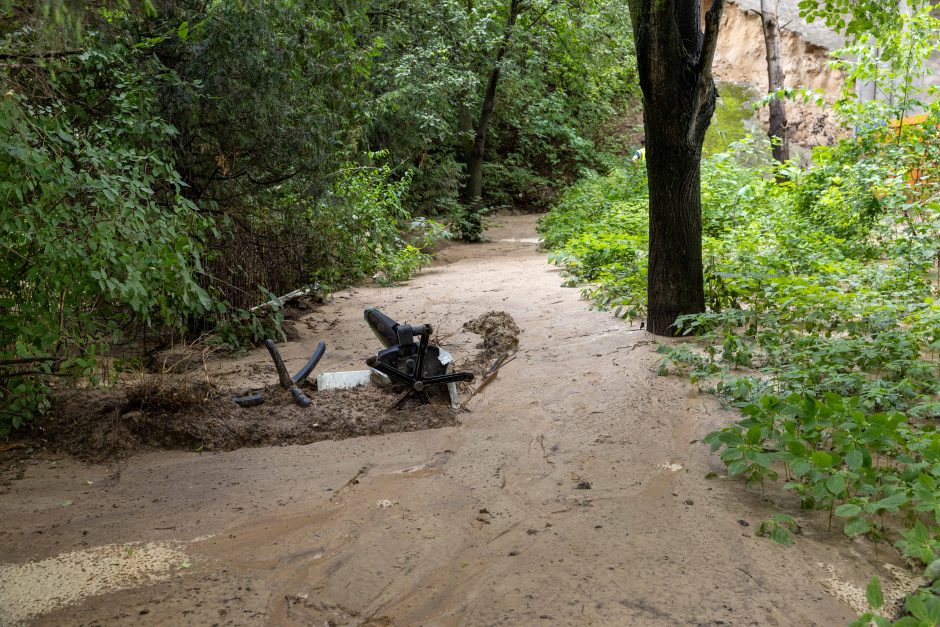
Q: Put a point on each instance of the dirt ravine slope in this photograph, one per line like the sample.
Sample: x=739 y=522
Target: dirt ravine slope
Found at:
x=573 y=492
x=741 y=58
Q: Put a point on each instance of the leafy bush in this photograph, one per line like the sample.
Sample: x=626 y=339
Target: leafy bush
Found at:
x=598 y=230
x=97 y=232
x=615 y=201
x=831 y=348
x=840 y=196
x=822 y=327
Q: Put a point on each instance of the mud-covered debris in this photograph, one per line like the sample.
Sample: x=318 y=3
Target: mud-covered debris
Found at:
x=100 y=425
x=499 y=331
x=170 y=411
x=167 y=393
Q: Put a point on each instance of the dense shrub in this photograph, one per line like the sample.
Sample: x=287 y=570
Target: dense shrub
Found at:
x=822 y=324
x=97 y=232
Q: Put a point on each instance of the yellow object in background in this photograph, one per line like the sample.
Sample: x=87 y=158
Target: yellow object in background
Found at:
x=912 y=122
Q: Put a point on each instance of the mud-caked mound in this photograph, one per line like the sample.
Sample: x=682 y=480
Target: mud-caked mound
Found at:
x=500 y=334
x=99 y=425
x=170 y=410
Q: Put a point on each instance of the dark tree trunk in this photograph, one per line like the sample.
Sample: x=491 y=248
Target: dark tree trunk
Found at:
x=472 y=194
x=775 y=78
x=467 y=132
x=674 y=279
x=674 y=59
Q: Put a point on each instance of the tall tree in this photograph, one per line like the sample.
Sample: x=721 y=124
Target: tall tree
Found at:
x=472 y=195
x=775 y=76
x=675 y=47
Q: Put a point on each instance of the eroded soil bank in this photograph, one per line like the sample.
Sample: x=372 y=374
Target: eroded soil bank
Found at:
x=574 y=492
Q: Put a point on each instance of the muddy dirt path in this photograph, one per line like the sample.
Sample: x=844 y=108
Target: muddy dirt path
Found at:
x=573 y=492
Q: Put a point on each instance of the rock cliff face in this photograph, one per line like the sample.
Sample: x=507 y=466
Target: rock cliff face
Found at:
x=740 y=58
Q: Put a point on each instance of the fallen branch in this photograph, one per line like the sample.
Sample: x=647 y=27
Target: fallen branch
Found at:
x=25 y=360
x=49 y=54
x=280 y=300
x=488 y=376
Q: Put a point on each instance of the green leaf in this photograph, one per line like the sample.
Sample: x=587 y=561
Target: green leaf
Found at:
x=854 y=459
x=891 y=503
x=801 y=467
x=856 y=526
x=933 y=570
x=862 y=621
x=821 y=459
x=781 y=536
x=737 y=467
x=836 y=484
x=915 y=605
x=847 y=510
x=874 y=594
x=753 y=435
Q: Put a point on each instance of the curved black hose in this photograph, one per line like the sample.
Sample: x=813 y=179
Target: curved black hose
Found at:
x=299 y=396
x=249 y=401
x=283 y=376
x=304 y=372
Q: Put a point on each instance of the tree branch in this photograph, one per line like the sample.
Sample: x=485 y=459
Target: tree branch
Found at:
x=705 y=94
x=274 y=179
x=49 y=54
x=533 y=23
x=26 y=360
x=712 y=22
x=32 y=373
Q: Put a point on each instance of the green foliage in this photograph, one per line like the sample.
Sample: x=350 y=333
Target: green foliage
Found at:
x=566 y=71
x=874 y=594
x=367 y=229
x=269 y=94
x=891 y=56
x=358 y=225
x=779 y=528
x=96 y=232
x=840 y=195
x=823 y=323
x=598 y=230
x=570 y=74
x=598 y=234
x=607 y=200
x=856 y=18
x=829 y=346
x=236 y=329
